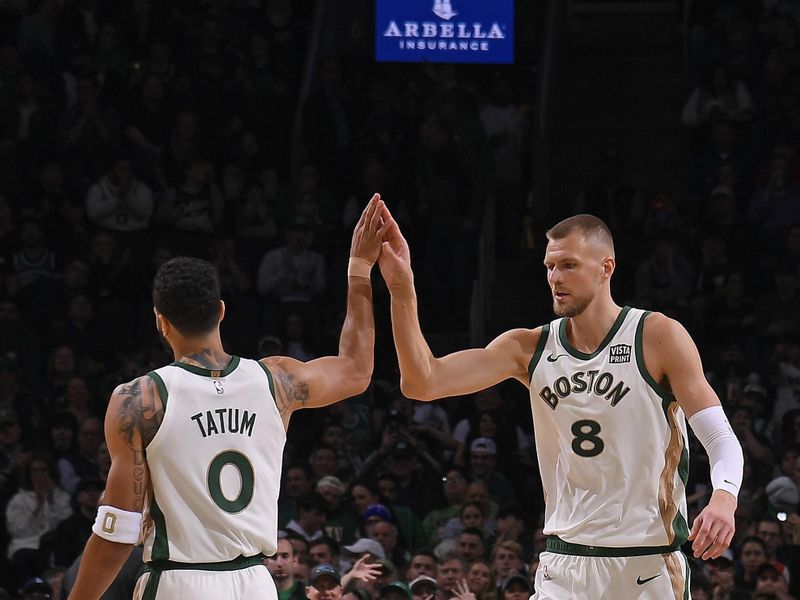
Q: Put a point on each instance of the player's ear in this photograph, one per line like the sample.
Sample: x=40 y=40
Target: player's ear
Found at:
x=221 y=310
x=163 y=326
x=609 y=264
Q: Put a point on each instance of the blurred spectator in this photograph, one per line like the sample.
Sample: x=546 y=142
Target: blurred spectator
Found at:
x=71 y=534
x=422 y=564
x=506 y=128
x=35 y=510
x=470 y=544
x=753 y=556
x=310 y=522
x=324 y=551
x=123 y=205
x=324 y=582
x=481 y=580
x=451 y=572
x=664 y=281
x=482 y=465
x=13 y=455
x=191 y=212
x=422 y=587
x=292 y=278
x=722 y=580
x=514 y=587
x=297 y=481
x=718 y=96
x=324 y=462
x=281 y=566
x=454 y=487
x=33 y=264
x=83 y=463
x=89 y=130
x=507 y=559
x=146 y=124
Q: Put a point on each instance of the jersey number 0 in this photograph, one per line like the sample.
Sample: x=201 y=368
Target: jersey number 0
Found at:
x=242 y=464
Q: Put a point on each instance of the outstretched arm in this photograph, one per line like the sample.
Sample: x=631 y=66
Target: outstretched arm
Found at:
x=674 y=362
x=423 y=376
x=329 y=379
x=134 y=414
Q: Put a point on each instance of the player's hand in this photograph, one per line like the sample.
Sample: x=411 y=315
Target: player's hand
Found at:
x=369 y=232
x=395 y=258
x=713 y=529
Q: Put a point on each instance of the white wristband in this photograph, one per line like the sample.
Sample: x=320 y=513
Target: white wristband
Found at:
x=117 y=525
x=358 y=267
x=712 y=428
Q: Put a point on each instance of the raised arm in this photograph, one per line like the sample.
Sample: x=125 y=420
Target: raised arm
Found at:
x=423 y=376
x=329 y=379
x=134 y=414
x=673 y=361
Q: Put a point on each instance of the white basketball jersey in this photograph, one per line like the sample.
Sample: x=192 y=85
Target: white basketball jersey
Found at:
x=215 y=464
x=611 y=441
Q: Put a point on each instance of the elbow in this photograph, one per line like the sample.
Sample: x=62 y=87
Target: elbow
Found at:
x=415 y=390
x=361 y=383
x=358 y=382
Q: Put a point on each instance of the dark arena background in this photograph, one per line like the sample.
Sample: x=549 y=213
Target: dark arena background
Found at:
x=253 y=132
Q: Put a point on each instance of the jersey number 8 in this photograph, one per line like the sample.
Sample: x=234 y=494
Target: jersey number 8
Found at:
x=586 y=442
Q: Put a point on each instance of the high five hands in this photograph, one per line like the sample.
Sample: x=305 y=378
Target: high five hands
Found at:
x=394 y=259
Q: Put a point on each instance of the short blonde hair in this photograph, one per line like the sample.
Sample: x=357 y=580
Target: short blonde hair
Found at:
x=588 y=225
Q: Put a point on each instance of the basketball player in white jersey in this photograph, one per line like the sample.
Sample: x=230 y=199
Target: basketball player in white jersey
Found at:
x=197 y=445
x=609 y=388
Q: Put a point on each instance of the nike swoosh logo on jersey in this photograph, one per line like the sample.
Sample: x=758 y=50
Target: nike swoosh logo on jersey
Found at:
x=554 y=358
x=640 y=581
x=726 y=481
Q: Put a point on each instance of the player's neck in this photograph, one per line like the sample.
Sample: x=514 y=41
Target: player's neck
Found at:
x=206 y=352
x=587 y=330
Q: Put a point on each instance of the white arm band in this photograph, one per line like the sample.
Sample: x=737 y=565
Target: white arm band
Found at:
x=117 y=525
x=712 y=428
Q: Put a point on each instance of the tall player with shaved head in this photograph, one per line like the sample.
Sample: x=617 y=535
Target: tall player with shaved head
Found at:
x=611 y=388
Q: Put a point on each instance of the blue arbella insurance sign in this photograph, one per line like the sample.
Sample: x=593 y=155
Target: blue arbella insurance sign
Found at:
x=457 y=31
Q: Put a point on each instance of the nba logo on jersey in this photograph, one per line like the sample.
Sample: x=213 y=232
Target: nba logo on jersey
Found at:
x=621 y=353
x=218 y=387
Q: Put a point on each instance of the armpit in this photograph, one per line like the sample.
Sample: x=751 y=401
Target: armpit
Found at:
x=293 y=392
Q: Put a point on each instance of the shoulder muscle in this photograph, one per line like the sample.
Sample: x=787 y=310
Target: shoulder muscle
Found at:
x=136 y=410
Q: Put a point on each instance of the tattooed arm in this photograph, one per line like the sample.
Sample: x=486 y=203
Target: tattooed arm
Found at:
x=329 y=379
x=134 y=414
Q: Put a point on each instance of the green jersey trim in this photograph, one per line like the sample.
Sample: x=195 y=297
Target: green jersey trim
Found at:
x=161 y=387
x=558 y=546
x=237 y=564
x=214 y=373
x=537 y=354
x=562 y=336
x=161 y=541
x=679 y=525
x=151 y=589
x=270 y=380
x=639 y=344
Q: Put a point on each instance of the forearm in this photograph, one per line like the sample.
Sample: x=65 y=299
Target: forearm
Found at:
x=413 y=354
x=357 y=340
x=100 y=564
